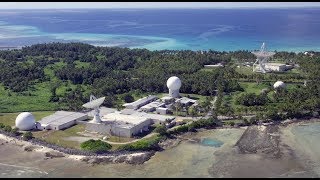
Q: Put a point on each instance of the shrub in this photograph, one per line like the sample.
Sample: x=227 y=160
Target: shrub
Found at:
x=183 y=128
x=15 y=131
x=28 y=135
x=251 y=99
x=128 y=98
x=232 y=123
x=7 y=128
x=2 y=125
x=192 y=127
x=253 y=120
x=161 y=129
x=96 y=146
x=143 y=144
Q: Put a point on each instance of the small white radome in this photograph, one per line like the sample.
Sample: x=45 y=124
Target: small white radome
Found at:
x=279 y=84
x=25 y=121
x=174 y=83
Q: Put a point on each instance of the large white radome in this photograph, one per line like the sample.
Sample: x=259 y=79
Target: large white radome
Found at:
x=279 y=84
x=25 y=121
x=174 y=83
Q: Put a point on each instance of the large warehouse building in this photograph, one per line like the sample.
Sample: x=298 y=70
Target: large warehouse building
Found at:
x=126 y=123
x=60 y=120
x=140 y=102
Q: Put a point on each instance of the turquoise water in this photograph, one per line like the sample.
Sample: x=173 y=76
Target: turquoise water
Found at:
x=194 y=29
x=211 y=142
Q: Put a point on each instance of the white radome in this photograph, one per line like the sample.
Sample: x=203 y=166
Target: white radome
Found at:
x=279 y=84
x=25 y=121
x=174 y=83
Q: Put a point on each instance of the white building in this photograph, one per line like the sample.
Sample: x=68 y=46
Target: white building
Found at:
x=60 y=120
x=152 y=106
x=174 y=84
x=186 y=101
x=162 y=110
x=140 y=102
x=122 y=125
x=25 y=121
x=278 y=67
x=126 y=123
x=167 y=99
x=279 y=84
x=213 y=65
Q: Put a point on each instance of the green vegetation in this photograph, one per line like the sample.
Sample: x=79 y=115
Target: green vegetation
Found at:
x=96 y=146
x=62 y=75
x=48 y=77
x=251 y=99
x=27 y=135
x=9 y=118
x=7 y=128
x=150 y=143
x=201 y=123
x=161 y=129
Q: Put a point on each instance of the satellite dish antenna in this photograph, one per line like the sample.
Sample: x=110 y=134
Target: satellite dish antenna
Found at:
x=94 y=104
x=262 y=57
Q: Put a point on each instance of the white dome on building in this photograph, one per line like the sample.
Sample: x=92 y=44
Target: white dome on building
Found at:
x=25 y=121
x=174 y=83
x=279 y=84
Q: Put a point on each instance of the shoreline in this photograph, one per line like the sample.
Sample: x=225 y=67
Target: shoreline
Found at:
x=134 y=157
x=125 y=157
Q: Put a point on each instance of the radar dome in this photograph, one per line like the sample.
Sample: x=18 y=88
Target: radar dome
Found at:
x=279 y=84
x=25 y=121
x=174 y=83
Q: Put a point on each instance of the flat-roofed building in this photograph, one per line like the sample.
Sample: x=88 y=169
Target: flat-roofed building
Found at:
x=186 y=101
x=213 y=65
x=103 y=111
x=140 y=102
x=126 y=123
x=60 y=120
x=167 y=99
x=162 y=110
x=278 y=67
x=122 y=125
x=152 y=106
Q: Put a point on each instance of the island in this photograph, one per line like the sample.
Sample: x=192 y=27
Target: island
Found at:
x=151 y=100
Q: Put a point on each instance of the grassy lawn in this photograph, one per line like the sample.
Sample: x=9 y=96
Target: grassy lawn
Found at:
x=245 y=70
x=57 y=137
x=9 y=118
x=35 y=99
x=250 y=87
x=119 y=139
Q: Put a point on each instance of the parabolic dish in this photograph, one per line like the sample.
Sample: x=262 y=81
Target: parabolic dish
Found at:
x=263 y=54
x=95 y=103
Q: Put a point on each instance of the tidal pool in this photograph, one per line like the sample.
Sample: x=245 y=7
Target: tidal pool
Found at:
x=211 y=142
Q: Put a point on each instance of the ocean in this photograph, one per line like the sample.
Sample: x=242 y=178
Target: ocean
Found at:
x=295 y=30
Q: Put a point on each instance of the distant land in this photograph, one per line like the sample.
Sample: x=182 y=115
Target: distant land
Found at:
x=292 y=29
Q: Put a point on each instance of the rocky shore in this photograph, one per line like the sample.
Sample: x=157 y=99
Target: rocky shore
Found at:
x=50 y=151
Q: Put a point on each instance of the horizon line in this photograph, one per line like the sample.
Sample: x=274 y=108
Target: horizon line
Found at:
x=297 y=7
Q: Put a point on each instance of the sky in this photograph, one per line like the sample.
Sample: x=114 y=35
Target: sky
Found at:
x=77 y=5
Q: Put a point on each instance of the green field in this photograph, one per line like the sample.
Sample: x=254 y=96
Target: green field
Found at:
x=252 y=87
x=9 y=118
x=35 y=99
x=244 y=70
x=57 y=137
